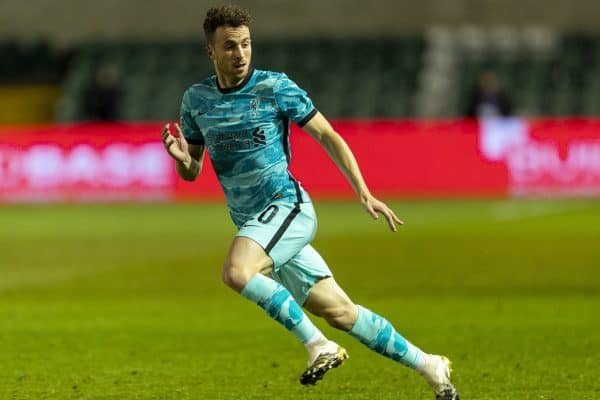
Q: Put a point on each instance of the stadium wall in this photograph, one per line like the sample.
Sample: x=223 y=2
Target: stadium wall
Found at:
x=399 y=158
x=68 y=21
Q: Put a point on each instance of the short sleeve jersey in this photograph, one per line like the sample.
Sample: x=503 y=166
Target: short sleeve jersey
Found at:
x=246 y=131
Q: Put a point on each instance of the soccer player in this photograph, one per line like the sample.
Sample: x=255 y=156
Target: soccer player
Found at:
x=242 y=116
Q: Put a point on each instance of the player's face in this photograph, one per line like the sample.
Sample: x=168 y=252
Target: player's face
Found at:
x=231 y=53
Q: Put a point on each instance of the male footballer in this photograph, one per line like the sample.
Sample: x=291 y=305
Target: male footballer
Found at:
x=242 y=116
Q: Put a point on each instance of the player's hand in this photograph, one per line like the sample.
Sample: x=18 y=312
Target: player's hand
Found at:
x=374 y=206
x=177 y=146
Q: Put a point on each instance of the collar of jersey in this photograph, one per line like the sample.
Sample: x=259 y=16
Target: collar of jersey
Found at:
x=238 y=87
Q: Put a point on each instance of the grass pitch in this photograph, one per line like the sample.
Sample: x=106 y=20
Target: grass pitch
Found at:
x=125 y=302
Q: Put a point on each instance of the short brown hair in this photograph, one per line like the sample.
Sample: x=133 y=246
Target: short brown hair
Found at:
x=227 y=15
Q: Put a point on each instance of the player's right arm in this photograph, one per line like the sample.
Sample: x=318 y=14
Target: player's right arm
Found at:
x=189 y=158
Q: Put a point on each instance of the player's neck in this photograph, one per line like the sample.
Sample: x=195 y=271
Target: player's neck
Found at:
x=230 y=82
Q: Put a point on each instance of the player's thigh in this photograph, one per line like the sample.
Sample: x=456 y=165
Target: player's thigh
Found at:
x=245 y=259
x=302 y=272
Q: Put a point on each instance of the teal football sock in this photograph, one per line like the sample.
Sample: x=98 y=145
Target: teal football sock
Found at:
x=277 y=301
x=379 y=335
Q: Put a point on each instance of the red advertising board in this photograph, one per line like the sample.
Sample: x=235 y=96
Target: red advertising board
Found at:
x=545 y=157
x=83 y=163
x=126 y=162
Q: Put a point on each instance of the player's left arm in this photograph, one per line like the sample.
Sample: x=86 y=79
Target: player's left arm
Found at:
x=339 y=151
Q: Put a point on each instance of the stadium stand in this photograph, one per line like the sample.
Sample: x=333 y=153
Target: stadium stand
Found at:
x=154 y=75
x=428 y=75
x=29 y=74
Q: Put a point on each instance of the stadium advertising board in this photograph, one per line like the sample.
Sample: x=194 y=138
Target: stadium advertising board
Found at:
x=461 y=158
x=83 y=163
x=545 y=157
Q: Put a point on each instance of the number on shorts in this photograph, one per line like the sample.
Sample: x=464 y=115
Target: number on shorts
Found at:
x=268 y=214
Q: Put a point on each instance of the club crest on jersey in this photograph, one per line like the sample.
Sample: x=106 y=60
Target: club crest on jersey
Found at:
x=253 y=107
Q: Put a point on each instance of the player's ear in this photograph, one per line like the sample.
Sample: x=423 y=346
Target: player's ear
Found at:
x=210 y=52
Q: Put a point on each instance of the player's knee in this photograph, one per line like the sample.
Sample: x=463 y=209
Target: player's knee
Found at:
x=341 y=317
x=234 y=276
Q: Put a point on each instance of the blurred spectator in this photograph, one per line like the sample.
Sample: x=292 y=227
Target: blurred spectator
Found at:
x=101 y=98
x=488 y=99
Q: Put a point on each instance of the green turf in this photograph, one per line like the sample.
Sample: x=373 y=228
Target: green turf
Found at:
x=125 y=302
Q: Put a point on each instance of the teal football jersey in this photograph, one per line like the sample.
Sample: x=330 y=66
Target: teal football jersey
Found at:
x=246 y=132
